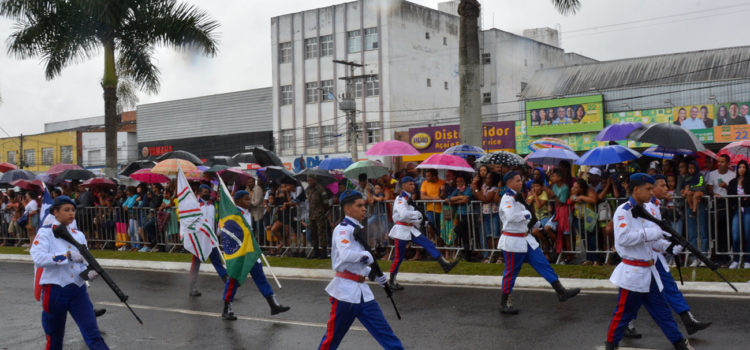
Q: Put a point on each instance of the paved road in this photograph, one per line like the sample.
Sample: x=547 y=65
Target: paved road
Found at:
x=434 y=317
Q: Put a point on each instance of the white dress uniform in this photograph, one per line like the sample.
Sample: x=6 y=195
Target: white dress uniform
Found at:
x=660 y=246
x=515 y=219
x=50 y=254
x=346 y=256
x=406 y=218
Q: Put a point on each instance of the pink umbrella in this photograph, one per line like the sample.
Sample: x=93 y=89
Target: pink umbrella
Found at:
x=5 y=167
x=235 y=175
x=99 y=182
x=146 y=176
x=737 y=151
x=392 y=148
x=194 y=175
x=60 y=167
x=443 y=161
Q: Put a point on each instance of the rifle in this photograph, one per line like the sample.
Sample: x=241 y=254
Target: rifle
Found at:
x=422 y=226
x=677 y=239
x=519 y=198
x=61 y=232
x=360 y=236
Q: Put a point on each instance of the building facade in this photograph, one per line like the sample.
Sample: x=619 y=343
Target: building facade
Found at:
x=38 y=152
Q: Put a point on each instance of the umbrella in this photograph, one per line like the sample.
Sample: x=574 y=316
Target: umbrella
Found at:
x=44 y=178
x=607 y=155
x=323 y=177
x=392 y=148
x=235 y=175
x=371 y=168
x=169 y=166
x=669 y=153
x=194 y=175
x=74 y=174
x=137 y=165
x=146 y=176
x=335 y=163
x=502 y=158
x=246 y=157
x=99 y=182
x=667 y=135
x=13 y=175
x=617 y=132
x=464 y=151
x=548 y=142
x=59 y=168
x=216 y=168
x=279 y=173
x=551 y=156
x=184 y=155
x=221 y=160
x=28 y=185
x=264 y=157
x=5 y=167
x=442 y=161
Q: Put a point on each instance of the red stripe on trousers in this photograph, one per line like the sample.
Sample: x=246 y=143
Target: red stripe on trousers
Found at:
x=512 y=265
x=45 y=303
x=229 y=290
x=618 y=315
x=396 y=258
x=326 y=344
x=49 y=342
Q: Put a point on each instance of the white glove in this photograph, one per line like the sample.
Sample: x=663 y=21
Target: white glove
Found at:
x=75 y=256
x=677 y=250
x=366 y=258
x=92 y=275
x=381 y=280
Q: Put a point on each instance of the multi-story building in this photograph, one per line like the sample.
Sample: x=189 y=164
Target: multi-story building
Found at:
x=38 y=152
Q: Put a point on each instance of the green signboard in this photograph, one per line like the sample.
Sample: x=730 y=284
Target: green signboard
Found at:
x=565 y=115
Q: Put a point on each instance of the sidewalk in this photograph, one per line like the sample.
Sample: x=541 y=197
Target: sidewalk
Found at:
x=410 y=278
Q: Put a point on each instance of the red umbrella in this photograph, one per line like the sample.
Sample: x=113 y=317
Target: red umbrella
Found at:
x=5 y=167
x=99 y=182
x=27 y=185
x=146 y=176
x=60 y=167
x=235 y=175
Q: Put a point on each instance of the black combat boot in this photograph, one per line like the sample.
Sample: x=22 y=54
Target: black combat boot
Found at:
x=506 y=307
x=683 y=345
x=228 y=314
x=195 y=293
x=394 y=285
x=631 y=332
x=276 y=308
x=691 y=324
x=447 y=265
x=609 y=346
x=99 y=312
x=564 y=294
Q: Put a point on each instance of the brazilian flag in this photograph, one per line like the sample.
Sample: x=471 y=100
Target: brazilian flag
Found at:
x=241 y=251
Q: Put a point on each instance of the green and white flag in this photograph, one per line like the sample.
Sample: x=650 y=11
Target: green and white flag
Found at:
x=198 y=237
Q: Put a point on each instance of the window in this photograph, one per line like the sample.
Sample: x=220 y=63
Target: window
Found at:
x=287 y=139
x=66 y=154
x=445 y=85
x=371 y=38
x=525 y=62
x=486 y=98
x=523 y=85
x=326 y=89
x=445 y=41
x=285 y=95
x=357 y=87
x=373 y=132
x=427 y=35
x=541 y=65
x=486 y=58
x=354 y=41
x=372 y=86
x=312 y=134
x=326 y=45
x=95 y=157
x=285 y=52
x=48 y=155
x=311 y=92
x=328 y=135
x=311 y=48
x=429 y=82
x=12 y=157
x=29 y=157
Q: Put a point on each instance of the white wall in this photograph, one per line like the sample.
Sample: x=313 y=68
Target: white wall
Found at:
x=93 y=148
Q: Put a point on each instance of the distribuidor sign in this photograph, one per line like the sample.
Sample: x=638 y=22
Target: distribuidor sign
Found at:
x=436 y=139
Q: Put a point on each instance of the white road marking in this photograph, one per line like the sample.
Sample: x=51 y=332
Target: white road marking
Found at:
x=218 y=315
x=601 y=347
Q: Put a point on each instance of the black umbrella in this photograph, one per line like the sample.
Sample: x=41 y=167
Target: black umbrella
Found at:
x=667 y=135
x=246 y=157
x=265 y=157
x=324 y=178
x=502 y=158
x=279 y=174
x=14 y=175
x=75 y=174
x=216 y=168
x=192 y=158
x=220 y=160
x=137 y=165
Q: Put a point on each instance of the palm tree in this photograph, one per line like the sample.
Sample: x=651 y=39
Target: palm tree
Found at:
x=62 y=32
x=470 y=106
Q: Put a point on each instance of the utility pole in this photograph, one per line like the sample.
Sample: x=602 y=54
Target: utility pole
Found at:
x=20 y=152
x=470 y=107
x=347 y=104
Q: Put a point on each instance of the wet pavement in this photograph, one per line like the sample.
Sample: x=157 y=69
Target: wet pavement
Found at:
x=434 y=317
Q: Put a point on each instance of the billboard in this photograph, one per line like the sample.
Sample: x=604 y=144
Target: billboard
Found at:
x=646 y=116
x=436 y=139
x=735 y=113
x=565 y=115
x=694 y=117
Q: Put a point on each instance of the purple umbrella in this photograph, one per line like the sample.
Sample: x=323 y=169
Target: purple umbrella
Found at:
x=617 y=132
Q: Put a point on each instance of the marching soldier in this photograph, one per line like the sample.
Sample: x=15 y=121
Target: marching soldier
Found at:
x=317 y=200
x=64 y=273
x=407 y=221
x=519 y=247
x=351 y=297
x=637 y=277
x=242 y=200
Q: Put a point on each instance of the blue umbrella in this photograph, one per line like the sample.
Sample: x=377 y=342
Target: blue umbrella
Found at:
x=14 y=175
x=464 y=151
x=336 y=163
x=551 y=156
x=665 y=153
x=617 y=132
x=608 y=155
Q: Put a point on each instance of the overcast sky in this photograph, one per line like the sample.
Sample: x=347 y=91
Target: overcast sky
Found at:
x=625 y=29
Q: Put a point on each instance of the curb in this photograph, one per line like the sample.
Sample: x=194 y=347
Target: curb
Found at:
x=406 y=277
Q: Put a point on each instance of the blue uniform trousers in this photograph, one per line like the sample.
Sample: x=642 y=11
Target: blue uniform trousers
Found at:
x=627 y=307
x=514 y=261
x=369 y=314
x=421 y=240
x=230 y=288
x=215 y=258
x=671 y=293
x=56 y=303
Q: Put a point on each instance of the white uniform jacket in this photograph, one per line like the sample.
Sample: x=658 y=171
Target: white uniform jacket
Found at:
x=403 y=213
x=633 y=241
x=346 y=255
x=51 y=254
x=658 y=247
x=515 y=219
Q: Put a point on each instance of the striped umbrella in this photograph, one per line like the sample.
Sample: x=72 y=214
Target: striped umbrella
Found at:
x=548 y=142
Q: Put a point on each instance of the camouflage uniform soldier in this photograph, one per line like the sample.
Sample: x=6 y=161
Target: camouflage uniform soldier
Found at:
x=317 y=200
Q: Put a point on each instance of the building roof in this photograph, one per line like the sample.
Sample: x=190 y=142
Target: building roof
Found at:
x=678 y=68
